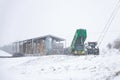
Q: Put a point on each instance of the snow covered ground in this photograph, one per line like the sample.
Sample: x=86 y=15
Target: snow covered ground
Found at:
x=2 y=53
x=62 y=67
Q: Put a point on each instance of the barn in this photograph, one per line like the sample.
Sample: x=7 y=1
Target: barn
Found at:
x=44 y=45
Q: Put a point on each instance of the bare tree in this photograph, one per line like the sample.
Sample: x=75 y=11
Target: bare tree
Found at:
x=109 y=46
x=116 y=44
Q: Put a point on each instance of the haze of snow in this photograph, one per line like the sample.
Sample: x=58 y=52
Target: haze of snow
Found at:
x=24 y=19
x=62 y=67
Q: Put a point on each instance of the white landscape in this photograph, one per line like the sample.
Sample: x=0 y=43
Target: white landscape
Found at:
x=21 y=20
x=105 y=66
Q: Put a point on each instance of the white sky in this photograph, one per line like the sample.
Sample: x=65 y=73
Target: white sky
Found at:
x=23 y=19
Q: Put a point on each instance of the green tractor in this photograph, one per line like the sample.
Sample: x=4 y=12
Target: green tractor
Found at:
x=78 y=47
x=92 y=49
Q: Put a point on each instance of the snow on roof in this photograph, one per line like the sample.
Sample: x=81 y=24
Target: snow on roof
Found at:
x=43 y=37
x=3 y=53
x=54 y=37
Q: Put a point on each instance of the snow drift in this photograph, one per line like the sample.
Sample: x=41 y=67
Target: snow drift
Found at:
x=62 y=67
x=3 y=53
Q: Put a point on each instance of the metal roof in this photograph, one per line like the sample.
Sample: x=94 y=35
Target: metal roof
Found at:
x=53 y=37
x=44 y=37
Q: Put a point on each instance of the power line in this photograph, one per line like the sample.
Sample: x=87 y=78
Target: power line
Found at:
x=110 y=20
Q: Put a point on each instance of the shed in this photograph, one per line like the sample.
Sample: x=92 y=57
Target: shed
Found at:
x=43 y=45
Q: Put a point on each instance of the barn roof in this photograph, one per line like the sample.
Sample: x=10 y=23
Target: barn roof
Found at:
x=53 y=37
x=44 y=37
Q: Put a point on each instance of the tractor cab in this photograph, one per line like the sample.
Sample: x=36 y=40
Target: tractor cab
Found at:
x=92 y=48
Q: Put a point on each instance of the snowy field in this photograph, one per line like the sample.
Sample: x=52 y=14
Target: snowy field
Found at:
x=62 y=67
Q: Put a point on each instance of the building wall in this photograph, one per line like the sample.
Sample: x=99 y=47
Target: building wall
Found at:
x=57 y=48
